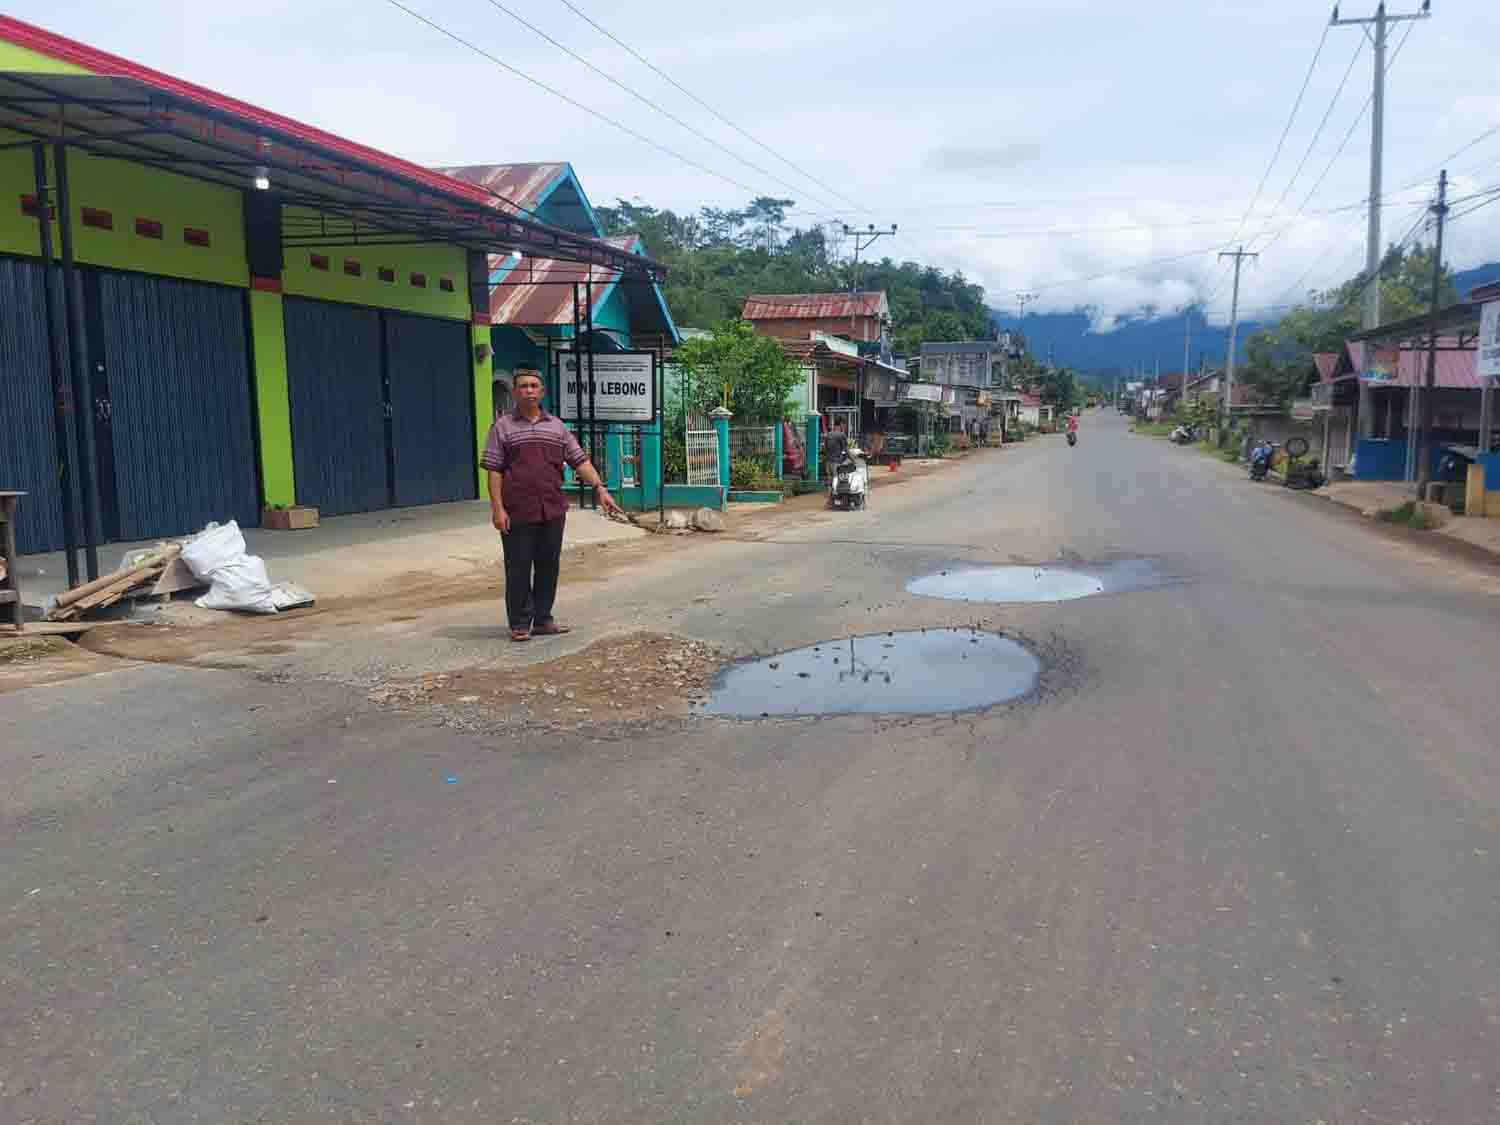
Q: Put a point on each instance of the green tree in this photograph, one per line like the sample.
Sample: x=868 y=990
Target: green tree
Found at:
x=717 y=257
x=749 y=374
x=1059 y=387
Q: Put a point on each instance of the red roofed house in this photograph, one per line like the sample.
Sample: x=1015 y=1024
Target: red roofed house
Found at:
x=861 y=317
x=841 y=322
x=1391 y=373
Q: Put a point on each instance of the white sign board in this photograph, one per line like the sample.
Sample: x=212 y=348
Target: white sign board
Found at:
x=924 y=392
x=624 y=388
x=1489 y=340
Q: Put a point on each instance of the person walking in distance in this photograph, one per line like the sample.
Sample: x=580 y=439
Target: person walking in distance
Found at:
x=524 y=458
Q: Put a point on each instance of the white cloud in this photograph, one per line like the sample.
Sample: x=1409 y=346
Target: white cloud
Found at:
x=973 y=126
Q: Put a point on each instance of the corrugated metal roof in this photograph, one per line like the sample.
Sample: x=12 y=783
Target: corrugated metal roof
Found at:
x=100 y=62
x=524 y=185
x=817 y=350
x=1456 y=370
x=535 y=291
x=814 y=306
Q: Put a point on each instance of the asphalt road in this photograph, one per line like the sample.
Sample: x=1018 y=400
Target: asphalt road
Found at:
x=1237 y=860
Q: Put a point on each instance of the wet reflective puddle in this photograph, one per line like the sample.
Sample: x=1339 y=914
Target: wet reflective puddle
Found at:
x=1046 y=583
x=930 y=671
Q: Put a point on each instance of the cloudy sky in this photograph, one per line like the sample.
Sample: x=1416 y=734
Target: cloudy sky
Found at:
x=1097 y=154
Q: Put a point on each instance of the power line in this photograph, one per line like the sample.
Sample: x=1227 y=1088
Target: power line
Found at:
x=644 y=100
x=1037 y=232
x=1323 y=124
x=574 y=102
x=1494 y=197
x=1285 y=129
x=1348 y=135
x=688 y=93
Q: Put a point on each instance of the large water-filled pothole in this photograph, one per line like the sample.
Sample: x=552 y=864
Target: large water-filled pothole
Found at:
x=930 y=671
x=1047 y=583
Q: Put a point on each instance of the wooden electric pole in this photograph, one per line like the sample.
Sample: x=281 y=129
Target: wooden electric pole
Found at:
x=1424 y=433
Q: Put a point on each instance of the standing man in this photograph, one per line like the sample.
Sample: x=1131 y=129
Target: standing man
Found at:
x=524 y=456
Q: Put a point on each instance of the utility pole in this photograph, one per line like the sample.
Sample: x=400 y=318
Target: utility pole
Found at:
x=1424 y=441
x=1024 y=299
x=863 y=240
x=1187 y=344
x=1234 y=330
x=1370 y=308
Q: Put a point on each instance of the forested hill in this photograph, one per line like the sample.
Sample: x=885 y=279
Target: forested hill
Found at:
x=717 y=258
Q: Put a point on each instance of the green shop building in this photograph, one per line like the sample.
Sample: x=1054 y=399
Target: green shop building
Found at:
x=207 y=308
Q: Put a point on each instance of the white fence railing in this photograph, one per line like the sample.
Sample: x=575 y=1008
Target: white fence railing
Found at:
x=703 y=457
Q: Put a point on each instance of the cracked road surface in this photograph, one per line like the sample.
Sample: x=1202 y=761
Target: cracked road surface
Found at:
x=1235 y=860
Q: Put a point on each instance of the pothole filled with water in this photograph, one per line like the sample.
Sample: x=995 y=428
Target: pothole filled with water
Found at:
x=1047 y=583
x=929 y=671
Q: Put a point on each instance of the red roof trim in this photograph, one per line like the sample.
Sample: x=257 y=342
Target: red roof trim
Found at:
x=102 y=62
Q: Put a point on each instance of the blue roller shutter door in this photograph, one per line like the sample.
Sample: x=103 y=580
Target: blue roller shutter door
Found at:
x=335 y=377
x=28 y=439
x=432 y=409
x=176 y=361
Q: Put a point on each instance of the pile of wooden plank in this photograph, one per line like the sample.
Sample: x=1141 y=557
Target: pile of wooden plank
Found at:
x=107 y=589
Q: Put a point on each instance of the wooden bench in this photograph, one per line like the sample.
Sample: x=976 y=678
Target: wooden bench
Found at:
x=10 y=585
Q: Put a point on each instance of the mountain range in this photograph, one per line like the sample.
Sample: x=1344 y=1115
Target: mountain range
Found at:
x=1140 y=343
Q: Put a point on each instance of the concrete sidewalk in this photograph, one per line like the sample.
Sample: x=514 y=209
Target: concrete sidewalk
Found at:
x=1372 y=497
x=352 y=555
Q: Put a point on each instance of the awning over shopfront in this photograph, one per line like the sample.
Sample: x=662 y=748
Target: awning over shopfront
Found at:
x=361 y=196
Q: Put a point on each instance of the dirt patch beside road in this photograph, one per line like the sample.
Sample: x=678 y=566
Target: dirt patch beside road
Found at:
x=32 y=661
x=627 y=678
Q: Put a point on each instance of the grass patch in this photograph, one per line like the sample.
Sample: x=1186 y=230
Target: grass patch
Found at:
x=1154 y=429
x=1410 y=514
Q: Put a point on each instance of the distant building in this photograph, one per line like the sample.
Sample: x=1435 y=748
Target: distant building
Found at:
x=861 y=317
x=976 y=371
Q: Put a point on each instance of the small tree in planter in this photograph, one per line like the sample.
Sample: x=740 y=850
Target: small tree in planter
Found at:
x=738 y=369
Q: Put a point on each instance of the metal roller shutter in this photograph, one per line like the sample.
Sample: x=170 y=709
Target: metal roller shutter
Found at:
x=28 y=441
x=432 y=409
x=181 y=419
x=335 y=376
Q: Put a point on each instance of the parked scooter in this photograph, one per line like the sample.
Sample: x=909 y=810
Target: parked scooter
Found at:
x=1260 y=459
x=849 y=482
x=1186 y=435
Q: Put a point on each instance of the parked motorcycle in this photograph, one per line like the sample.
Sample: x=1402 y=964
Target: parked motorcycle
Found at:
x=849 y=484
x=1260 y=459
x=1186 y=435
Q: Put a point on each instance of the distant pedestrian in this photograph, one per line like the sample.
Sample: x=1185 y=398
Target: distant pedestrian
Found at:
x=524 y=457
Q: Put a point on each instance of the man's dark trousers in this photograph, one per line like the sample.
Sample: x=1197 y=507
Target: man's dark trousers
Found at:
x=533 y=554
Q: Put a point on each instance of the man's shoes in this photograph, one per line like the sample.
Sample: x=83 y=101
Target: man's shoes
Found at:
x=520 y=634
x=551 y=629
